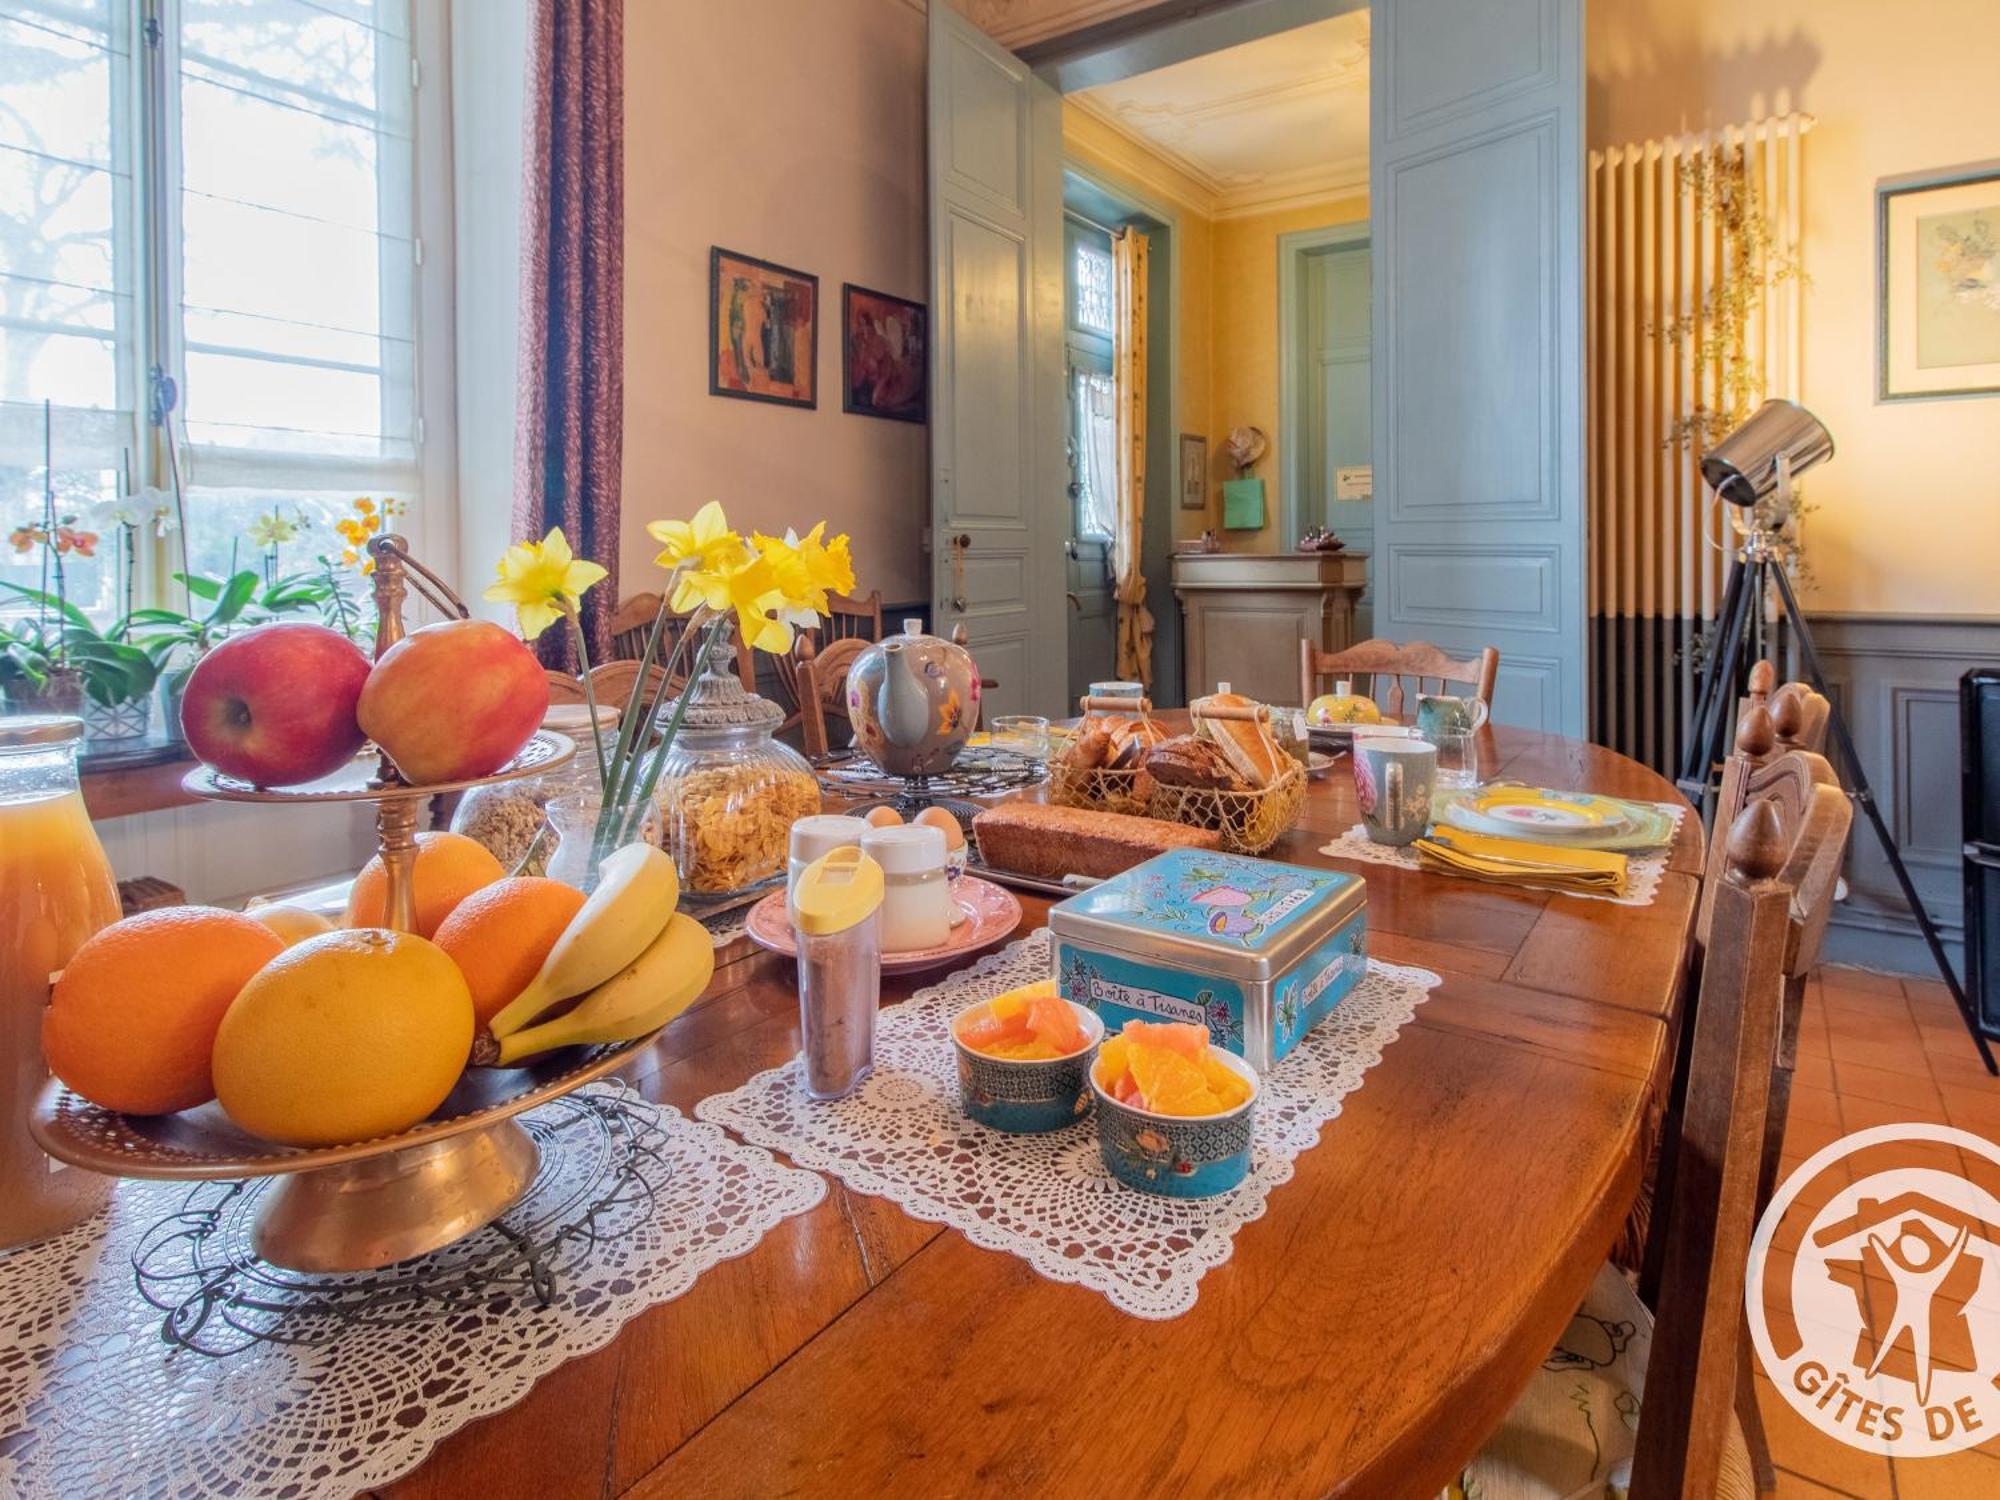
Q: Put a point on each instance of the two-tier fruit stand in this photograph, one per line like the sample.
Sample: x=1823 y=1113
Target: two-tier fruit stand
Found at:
x=367 y=1204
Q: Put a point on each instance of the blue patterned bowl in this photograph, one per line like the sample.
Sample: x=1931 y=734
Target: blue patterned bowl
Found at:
x=1178 y=1156
x=1028 y=1097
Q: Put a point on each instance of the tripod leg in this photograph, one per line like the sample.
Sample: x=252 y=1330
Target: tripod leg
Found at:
x=1864 y=798
x=1718 y=687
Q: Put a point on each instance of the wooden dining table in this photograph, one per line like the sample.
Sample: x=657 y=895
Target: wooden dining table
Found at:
x=1368 y=1331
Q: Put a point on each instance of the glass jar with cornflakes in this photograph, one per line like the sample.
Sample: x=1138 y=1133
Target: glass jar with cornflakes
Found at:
x=729 y=793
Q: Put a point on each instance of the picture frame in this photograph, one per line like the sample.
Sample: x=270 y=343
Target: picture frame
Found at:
x=884 y=355
x=763 y=330
x=1937 y=257
x=1194 y=471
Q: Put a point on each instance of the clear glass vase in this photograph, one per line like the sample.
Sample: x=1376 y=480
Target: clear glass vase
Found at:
x=579 y=854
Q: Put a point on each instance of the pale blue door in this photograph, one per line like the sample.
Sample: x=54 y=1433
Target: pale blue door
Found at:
x=1475 y=185
x=1339 y=434
x=999 y=500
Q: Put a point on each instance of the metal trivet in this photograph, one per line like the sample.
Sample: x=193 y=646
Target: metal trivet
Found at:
x=196 y=1265
x=979 y=771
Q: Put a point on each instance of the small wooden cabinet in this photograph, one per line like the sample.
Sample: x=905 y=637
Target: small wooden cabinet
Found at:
x=1243 y=615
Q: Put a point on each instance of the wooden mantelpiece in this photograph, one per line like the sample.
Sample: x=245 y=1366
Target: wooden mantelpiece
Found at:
x=1243 y=615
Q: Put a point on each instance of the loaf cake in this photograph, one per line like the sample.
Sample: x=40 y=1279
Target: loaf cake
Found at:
x=1033 y=838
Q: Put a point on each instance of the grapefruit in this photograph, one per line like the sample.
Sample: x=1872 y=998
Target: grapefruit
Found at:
x=348 y=1036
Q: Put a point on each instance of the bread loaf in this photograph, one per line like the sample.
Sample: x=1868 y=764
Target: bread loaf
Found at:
x=1033 y=838
x=1186 y=760
x=1247 y=743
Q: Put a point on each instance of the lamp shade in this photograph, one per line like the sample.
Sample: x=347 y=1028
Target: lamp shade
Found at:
x=1743 y=467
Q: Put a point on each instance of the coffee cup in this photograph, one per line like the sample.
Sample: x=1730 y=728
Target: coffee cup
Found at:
x=1393 y=781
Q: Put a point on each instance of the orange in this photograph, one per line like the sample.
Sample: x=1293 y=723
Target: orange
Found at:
x=345 y=1037
x=450 y=867
x=132 y=1021
x=499 y=935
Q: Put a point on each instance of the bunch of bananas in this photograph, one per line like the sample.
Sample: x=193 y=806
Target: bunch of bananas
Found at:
x=633 y=959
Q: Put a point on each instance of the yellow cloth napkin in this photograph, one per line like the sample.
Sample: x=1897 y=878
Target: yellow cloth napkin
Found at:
x=1545 y=867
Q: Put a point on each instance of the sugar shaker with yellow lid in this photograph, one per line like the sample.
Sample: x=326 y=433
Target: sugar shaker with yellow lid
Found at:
x=837 y=918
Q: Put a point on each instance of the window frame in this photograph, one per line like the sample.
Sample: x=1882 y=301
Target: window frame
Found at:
x=151 y=354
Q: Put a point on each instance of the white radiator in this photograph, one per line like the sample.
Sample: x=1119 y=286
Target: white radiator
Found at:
x=1655 y=254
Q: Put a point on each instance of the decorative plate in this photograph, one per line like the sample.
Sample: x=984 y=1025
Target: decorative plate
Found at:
x=1536 y=812
x=991 y=913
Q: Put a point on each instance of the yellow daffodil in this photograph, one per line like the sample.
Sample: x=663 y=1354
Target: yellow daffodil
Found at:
x=805 y=570
x=543 y=581
x=707 y=549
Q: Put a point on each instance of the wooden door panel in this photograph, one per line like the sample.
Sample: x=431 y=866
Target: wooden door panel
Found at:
x=1476 y=189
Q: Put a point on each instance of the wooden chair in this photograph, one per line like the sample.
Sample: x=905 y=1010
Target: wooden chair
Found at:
x=850 y=617
x=632 y=622
x=822 y=688
x=1374 y=660
x=1813 y=711
x=1689 y=1442
x=611 y=684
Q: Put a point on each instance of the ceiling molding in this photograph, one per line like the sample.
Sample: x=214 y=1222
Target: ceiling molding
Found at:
x=1143 y=168
x=1345 y=72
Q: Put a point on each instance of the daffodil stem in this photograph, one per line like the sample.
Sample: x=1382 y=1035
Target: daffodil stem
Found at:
x=589 y=691
x=659 y=760
x=629 y=718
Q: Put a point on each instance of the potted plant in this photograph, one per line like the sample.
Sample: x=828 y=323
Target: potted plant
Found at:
x=112 y=677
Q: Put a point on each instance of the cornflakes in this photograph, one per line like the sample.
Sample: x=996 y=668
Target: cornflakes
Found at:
x=731 y=825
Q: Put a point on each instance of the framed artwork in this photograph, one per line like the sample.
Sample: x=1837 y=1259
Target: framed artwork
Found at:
x=884 y=355
x=763 y=330
x=1938 y=274
x=1194 y=472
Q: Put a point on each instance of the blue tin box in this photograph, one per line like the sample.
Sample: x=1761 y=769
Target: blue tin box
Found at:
x=1259 y=952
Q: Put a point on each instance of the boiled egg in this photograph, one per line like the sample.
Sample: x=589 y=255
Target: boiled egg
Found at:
x=884 y=817
x=944 y=823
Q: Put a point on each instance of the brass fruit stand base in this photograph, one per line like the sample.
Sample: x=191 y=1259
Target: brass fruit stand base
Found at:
x=368 y=1204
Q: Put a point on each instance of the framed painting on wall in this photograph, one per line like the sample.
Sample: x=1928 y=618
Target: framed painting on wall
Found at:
x=763 y=330
x=1194 y=471
x=884 y=361
x=1938 y=269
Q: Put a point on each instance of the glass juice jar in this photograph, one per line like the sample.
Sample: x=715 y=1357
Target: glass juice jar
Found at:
x=56 y=889
x=729 y=793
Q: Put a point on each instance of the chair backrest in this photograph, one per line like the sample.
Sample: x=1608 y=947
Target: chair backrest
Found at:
x=611 y=684
x=1801 y=713
x=630 y=622
x=853 y=616
x=1760 y=769
x=1691 y=1373
x=1371 y=662
x=821 y=676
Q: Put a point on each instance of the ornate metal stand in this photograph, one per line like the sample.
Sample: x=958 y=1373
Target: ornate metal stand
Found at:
x=372 y=1203
x=979 y=771
x=602 y=1172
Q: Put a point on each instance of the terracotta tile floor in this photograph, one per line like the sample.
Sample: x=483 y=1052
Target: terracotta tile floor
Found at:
x=1874 y=1049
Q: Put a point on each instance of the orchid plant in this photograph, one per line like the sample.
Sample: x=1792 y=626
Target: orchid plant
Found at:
x=768 y=585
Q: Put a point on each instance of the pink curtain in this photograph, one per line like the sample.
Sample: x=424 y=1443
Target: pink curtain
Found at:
x=566 y=447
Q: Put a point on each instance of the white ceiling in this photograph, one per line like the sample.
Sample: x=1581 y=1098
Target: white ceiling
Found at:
x=1271 y=124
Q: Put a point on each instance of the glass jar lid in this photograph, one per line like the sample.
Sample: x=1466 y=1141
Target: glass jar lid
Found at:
x=21 y=731
x=717 y=700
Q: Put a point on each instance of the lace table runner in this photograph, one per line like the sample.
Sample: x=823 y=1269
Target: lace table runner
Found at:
x=355 y=1382
x=1049 y=1198
x=1642 y=871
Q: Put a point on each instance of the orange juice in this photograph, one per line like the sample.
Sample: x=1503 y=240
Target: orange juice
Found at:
x=56 y=889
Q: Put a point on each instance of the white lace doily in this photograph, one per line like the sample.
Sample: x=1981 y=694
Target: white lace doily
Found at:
x=93 y=1402
x=1049 y=1198
x=725 y=927
x=1642 y=871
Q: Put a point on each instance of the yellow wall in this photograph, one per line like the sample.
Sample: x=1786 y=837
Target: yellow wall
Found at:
x=798 y=139
x=1246 y=346
x=1909 y=507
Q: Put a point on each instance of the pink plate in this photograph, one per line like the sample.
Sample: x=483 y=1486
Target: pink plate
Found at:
x=991 y=913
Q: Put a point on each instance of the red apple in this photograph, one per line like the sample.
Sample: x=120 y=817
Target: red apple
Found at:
x=276 y=705
x=454 y=701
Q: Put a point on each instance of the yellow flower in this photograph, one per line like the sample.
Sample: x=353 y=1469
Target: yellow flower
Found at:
x=543 y=581
x=709 y=548
x=805 y=570
x=268 y=531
